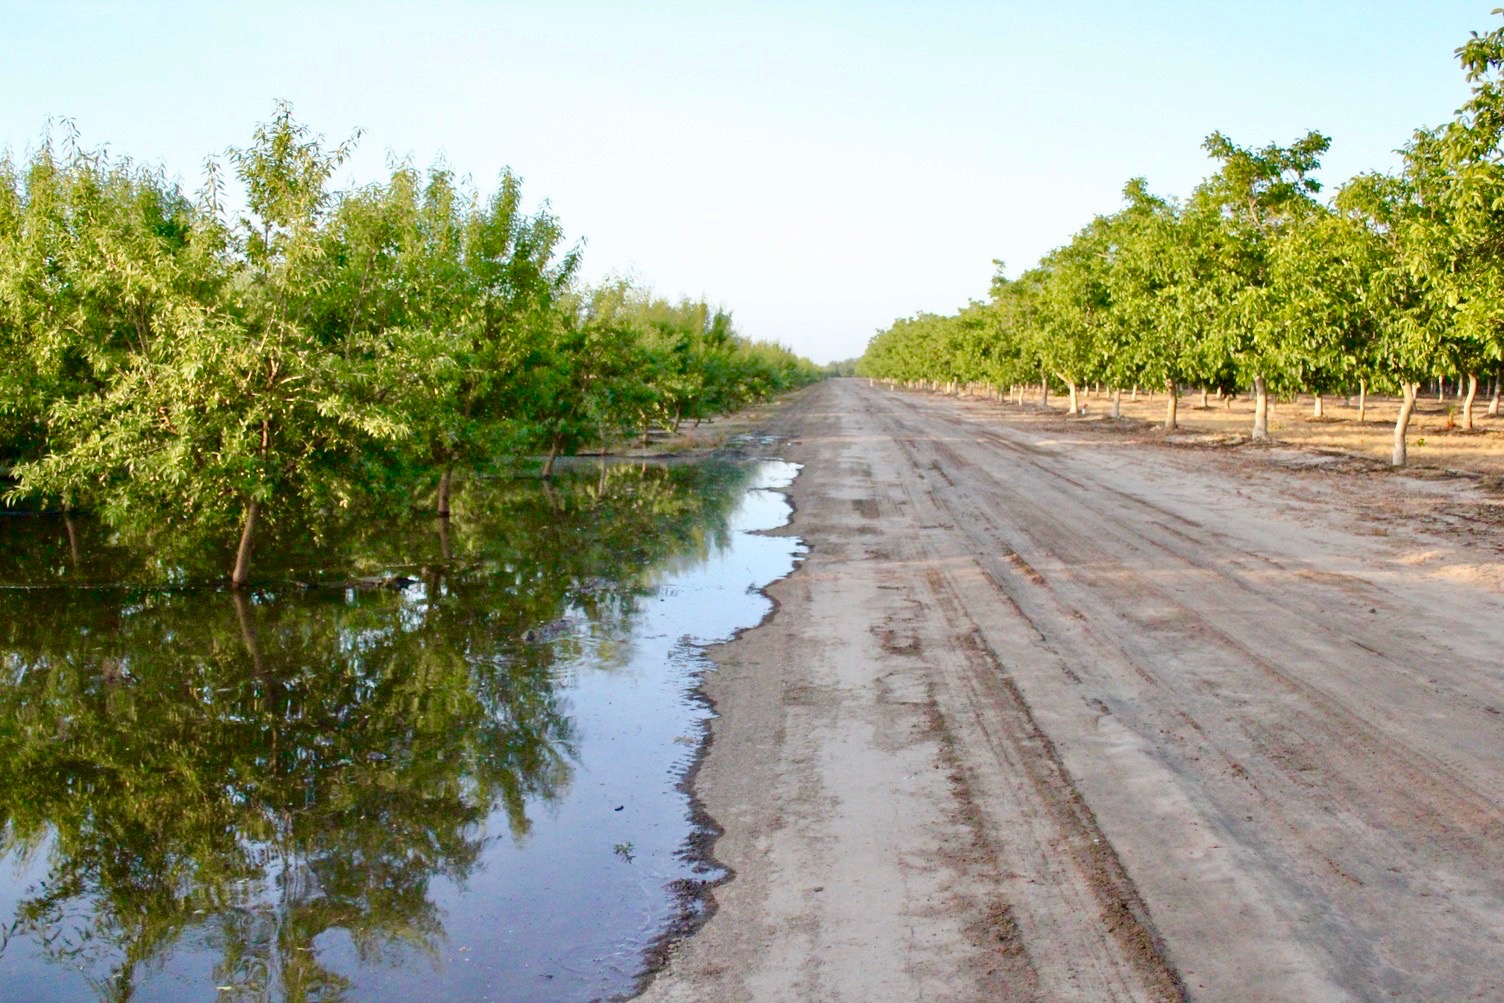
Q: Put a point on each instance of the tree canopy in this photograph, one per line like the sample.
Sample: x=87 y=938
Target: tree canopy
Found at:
x=1252 y=281
x=168 y=361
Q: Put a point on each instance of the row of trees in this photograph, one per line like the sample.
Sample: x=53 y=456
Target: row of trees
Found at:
x=1252 y=282
x=168 y=362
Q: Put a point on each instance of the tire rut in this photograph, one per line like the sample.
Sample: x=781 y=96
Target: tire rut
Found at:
x=1256 y=775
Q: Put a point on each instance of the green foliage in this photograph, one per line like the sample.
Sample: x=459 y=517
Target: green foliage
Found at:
x=1252 y=280
x=164 y=364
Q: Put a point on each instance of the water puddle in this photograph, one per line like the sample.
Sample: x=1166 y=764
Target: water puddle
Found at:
x=452 y=770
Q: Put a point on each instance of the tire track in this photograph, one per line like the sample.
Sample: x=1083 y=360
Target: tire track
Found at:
x=1293 y=767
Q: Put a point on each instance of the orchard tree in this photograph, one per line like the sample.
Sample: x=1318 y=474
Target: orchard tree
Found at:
x=1459 y=171
x=227 y=405
x=1388 y=239
x=1321 y=273
x=1242 y=208
x=589 y=385
x=91 y=253
x=1072 y=310
x=1158 y=283
x=516 y=274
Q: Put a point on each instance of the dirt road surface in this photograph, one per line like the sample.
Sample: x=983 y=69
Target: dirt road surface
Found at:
x=1047 y=715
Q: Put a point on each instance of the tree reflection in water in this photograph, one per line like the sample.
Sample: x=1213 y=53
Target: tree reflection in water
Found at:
x=182 y=765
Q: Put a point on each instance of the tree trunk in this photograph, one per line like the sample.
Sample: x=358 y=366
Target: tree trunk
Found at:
x=442 y=506
x=1075 y=400
x=1134 y=396
x=249 y=638
x=242 y=572
x=1172 y=404
x=72 y=531
x=1260 y=410
x=1316 y=410
x=1117 y=402
x=1402 y=424
x=1467 y=402
x=553 y=454
x=1362 y=401
x=1204 y=405
x=1493 y=404
x=1044 y=393
x=1441 y=390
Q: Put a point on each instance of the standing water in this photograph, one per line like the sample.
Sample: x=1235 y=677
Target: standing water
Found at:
x=450 y=770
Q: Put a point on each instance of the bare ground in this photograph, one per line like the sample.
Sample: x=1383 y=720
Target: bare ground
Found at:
x=1055 y=713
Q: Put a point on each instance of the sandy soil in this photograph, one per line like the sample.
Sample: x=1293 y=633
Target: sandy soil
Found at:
x=1054 y=713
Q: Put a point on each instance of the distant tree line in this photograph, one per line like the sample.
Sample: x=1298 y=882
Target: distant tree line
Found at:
x=163 y=360
x=1252 y=282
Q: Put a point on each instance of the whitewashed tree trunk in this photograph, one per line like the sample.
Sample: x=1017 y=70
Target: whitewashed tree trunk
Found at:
x=1260 y=410
x=1467 y=402
x=1075 y=398
x=1117 y=402
x=1402 y=423
x=1362 y=401
x=1316 y=408
x=1172 y=404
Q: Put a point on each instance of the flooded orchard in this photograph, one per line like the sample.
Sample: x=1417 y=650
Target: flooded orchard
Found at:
x=418 y=760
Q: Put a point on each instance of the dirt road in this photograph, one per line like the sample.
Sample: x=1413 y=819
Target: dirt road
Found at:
x=1046 y=715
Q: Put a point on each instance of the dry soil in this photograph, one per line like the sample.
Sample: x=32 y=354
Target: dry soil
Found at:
x=1051 y=713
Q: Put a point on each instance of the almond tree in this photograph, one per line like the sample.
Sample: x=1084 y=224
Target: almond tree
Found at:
x=1244 y=205
x=228 y=407
x=1387 y=225
x=1460 y=168
x=1159 y=283
x=1321 y=271
x=91 y=250
x=1073 y=312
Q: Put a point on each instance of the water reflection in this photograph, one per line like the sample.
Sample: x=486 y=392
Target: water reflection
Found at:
x=206 y=787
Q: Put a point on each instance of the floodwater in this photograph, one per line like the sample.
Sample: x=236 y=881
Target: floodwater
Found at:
x=417 y=762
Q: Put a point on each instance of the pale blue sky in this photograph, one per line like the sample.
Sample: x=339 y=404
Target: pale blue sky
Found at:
x=817 y=168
